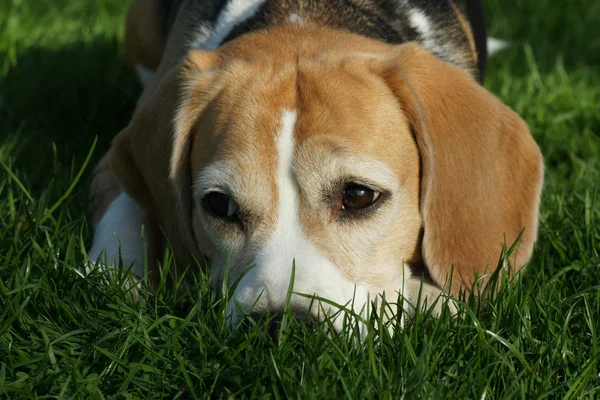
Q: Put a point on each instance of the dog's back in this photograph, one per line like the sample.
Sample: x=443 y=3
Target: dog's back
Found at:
x=451 y=29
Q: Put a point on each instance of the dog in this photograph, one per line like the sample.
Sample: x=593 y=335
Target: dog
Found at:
x=348 y=142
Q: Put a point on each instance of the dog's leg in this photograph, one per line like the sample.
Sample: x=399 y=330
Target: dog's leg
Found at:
x=117 y=221
x=118 y=235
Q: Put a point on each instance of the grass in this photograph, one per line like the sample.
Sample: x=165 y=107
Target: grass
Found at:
x=64 y=87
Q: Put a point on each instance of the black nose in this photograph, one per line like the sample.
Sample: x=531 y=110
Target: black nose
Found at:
x=274 y=320
x=275 y=326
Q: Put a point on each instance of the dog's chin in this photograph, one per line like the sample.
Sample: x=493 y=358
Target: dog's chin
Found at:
x=350 y=317
x=377 y=318
x=309 y=289
x=364 y=311
x=322 y=314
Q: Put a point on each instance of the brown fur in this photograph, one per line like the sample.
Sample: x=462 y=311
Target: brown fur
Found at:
x=481 y=170
x=144 y=41
x=104 y=189
x=153 y=166
x=466 y=29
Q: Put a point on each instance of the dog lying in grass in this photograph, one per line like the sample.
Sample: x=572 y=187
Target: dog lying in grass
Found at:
x=349 y=142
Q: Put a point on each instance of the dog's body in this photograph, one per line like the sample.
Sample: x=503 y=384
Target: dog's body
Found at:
x=273 y=131
x=451 y=29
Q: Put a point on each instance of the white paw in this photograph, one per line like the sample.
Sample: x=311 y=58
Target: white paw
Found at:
x=119 y=243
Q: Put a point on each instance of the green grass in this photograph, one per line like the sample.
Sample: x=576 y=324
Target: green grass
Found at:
x=63 y=82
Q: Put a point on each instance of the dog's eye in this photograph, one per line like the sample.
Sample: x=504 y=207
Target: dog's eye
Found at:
x=358 y=197
x=220 y=205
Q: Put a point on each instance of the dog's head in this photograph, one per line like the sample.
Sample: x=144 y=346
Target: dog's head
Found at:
x=348 y=157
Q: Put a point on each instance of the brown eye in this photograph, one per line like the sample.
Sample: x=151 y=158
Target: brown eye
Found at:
x=358 y=197
x=220 y=205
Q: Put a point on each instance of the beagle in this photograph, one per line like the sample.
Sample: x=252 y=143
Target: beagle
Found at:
x=349 y=138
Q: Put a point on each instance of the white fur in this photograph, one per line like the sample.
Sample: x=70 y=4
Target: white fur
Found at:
x=119 y=234
x=144 y=74
x=295 y=18
x=421 y=23
x=234 y=13
x=199 y=36
x=495 y=45
x=215 y=176
x=266 y=286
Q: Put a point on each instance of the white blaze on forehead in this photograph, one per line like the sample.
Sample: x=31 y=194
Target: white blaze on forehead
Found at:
x=286 y=183
x=278 y=254
x=269 y=279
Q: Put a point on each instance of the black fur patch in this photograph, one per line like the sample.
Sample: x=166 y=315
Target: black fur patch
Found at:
x=476 y=19
x=167 y=10
x=385 y=20
x=339 y=14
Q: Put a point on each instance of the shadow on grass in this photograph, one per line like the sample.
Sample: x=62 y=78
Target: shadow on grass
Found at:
x=64 y=97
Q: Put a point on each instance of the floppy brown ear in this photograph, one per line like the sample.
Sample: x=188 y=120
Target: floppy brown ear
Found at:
x=151 y=156
x=481 y=172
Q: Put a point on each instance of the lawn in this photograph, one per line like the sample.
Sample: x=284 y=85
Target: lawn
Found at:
x=65 y=91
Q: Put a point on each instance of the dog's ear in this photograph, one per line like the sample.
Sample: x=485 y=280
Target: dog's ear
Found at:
x=151 y=156
x=481 y=174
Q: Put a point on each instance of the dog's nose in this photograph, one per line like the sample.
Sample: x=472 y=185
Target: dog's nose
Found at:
x=273 y=323
x=275 y=319
x=274 y=326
